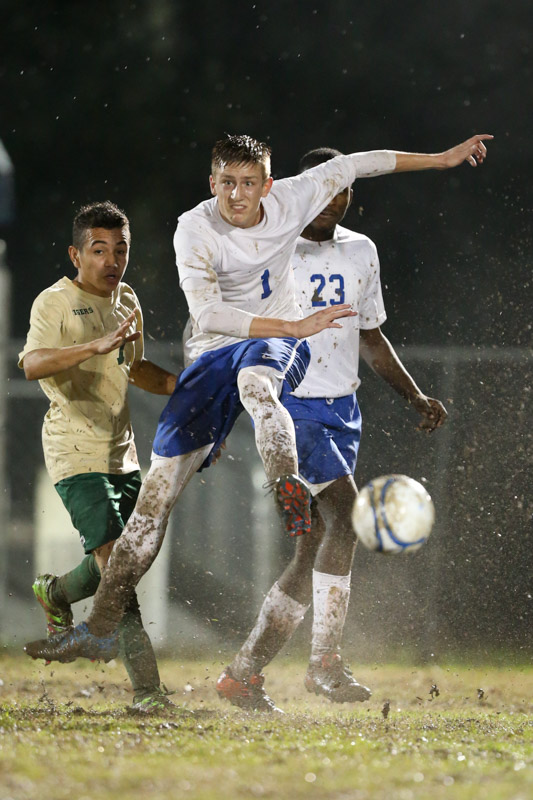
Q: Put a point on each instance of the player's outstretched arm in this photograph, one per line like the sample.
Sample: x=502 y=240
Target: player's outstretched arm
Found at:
x=48 y=361
x=380 y=355
x=264 y=327
x=473 y=151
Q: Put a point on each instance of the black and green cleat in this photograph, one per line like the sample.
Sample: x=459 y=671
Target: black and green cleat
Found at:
x=58 y=615
x=154 y=701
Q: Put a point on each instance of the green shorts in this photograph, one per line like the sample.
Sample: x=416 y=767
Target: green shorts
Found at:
x=99 y=504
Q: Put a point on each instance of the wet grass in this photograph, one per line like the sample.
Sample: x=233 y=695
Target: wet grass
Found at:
x=462 y=733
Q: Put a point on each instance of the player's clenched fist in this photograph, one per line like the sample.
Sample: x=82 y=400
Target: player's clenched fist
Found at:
x=433 y=413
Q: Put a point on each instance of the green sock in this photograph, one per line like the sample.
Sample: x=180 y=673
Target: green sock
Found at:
x=137 y=653
x=79 y=583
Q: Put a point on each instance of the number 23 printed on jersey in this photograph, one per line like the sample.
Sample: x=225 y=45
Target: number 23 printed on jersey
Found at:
x=333 y=288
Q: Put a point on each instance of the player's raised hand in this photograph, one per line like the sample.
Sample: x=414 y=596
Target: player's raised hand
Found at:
x=115 y=339
x=473 y=151
x=433 y=413
x=325 y=318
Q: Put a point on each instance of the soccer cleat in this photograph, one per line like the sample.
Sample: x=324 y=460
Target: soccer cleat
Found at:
x=247 y=694
x=334 y=680
x=75 y=643
x=152 y=702
x=58 y=615
x=295 y=503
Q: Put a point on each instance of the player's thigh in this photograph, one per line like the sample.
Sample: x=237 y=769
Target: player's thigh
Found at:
x=93 y=503
x=165 y=481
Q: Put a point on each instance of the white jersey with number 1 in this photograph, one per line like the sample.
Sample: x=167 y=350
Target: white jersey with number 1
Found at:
x=230 y=275
x=344 y=269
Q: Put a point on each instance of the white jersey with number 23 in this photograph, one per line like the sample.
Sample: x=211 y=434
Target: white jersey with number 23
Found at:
x=344 y=269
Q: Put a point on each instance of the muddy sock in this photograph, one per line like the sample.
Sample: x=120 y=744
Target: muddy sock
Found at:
x=331 y=594
x=78 y=584
x=136 y=651
x=278 y=618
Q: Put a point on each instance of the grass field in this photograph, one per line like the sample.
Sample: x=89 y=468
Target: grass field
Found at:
x=454 y=732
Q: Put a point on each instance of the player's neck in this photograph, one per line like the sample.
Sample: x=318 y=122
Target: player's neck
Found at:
x=318 y=234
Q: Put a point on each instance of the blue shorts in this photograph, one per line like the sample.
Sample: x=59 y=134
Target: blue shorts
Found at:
x=328 y=433
x=205 y=403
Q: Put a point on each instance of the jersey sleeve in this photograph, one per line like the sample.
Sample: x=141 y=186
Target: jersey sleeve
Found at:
x=372 y=309
x=47 y=318
x=312 y=190
x=133 y=302
x=195 y=258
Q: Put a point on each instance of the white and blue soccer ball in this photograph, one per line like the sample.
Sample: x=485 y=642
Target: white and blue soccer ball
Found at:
x=393 y=514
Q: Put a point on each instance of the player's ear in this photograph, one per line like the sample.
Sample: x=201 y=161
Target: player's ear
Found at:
x=74 y=255
x=267 y=186
x=212 y=184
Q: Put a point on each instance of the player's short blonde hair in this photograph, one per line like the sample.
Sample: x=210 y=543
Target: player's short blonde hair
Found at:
x=241 y=149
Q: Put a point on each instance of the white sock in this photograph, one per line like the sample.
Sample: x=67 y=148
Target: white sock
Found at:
x=278 y=618
x=331 y=594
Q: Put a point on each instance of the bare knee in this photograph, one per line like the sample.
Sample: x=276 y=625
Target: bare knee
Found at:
x=258 y=383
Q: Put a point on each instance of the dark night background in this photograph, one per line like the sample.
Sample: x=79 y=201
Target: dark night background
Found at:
x=124 y=100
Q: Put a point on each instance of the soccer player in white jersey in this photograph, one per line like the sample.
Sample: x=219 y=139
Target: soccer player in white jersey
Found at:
x=332 y=265
x=233 y=254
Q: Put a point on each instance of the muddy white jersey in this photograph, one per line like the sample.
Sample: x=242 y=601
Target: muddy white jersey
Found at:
x=230 y=275
x=344 y=269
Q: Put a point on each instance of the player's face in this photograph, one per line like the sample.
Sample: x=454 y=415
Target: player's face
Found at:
x=324 y=224
x=102 y=260
x=239 y=189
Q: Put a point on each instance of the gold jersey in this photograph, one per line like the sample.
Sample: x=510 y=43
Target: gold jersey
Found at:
x=87 y=427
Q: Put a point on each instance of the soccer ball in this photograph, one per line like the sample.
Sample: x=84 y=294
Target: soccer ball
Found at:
x=393 y=514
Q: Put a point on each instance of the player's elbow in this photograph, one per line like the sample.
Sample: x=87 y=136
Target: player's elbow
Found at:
x=35 y=365
x=29 y=366
x=31 y=374
x=208 y=321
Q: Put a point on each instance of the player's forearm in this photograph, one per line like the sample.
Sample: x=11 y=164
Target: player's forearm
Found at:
x=329 y=317
x=473 y=151
x=382 y=162
x=152 y=378
x=412 y=162
x=381 y=357
x=46 y=362
x=266 y=327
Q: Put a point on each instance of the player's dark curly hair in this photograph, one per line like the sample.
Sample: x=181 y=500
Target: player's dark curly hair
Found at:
x=97 y=215
x=241 y=149
x=318 y=156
